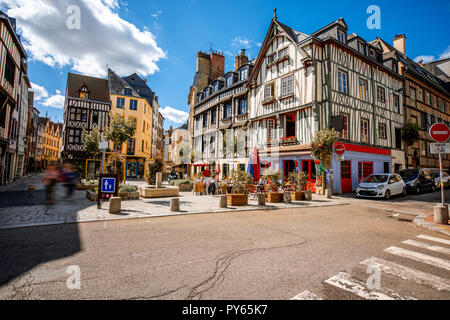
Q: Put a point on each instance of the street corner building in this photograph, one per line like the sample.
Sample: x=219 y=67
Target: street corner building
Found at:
x=87 y=106
x=302 y=83
x=132 y=98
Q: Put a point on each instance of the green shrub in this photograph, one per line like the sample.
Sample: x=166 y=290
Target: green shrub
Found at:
x=180 y=182
x=128 y=188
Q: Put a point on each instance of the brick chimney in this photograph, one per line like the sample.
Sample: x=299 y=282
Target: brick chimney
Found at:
x=217 y=66
x=400 y=43
x=240 y=60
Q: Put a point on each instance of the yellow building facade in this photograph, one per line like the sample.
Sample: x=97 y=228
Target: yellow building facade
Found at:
x=138 y=149
x=51 y=148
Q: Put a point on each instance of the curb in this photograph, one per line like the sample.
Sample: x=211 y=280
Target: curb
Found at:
x=262 y=208
x=421 y=223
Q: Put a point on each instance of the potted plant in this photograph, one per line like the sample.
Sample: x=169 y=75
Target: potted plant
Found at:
x=297 y=183
x=128 y=192
x=272 y=176
x=239 y=192
x=182 y=184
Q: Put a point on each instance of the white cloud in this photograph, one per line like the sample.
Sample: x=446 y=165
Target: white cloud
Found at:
x=241 y=42
x=425 y=59
x=39 y=92
x=55 y=101
x=157 y=14
x=259 y=44
x=104 y=37
x=174 y=115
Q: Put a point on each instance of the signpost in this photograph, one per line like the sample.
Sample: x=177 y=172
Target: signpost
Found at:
x=107 y=187
x=440 y=133
x=103 y=145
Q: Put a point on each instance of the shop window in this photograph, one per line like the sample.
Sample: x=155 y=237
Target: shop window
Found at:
x=365 y=169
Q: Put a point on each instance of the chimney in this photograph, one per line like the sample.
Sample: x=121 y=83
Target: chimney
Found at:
x=217 y=65
x=240 y=60
x=400 y=43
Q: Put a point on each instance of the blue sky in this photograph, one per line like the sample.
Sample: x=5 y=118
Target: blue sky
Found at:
x=160 y=39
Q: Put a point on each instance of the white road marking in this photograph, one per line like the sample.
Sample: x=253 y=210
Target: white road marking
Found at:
x=440 y=240
x=306 y=295
x=406 y=273
x=345 y=282
x=427 y=246
x=424 y=258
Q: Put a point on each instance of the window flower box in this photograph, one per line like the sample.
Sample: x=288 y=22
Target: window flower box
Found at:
x=270 y=65
x=268 y=100
x=288 y=141
x=282 y=59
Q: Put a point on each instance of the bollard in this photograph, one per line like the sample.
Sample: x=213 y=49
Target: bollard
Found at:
x=115 y=205
x=175 y=204
x=287 y=197
x=223 y=202
x=328 y=193
x=441 y=214
x=261 y=199
x=308 y=195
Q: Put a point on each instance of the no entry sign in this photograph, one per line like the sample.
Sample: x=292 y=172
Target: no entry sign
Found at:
x=339 y=149
x=439 y=132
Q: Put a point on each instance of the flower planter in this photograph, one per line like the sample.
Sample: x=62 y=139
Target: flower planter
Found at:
x=298 y=195
x=86 y=187
x=237 y=199
x=129 y=196
x=274 y=197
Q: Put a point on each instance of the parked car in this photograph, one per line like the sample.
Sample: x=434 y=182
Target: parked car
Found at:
x=436 y=176
x=172 y=176
x=418 y=180
x=382 y=186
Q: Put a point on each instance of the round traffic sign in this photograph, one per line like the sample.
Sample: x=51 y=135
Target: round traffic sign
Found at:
x=339 y=149
x=439 y=132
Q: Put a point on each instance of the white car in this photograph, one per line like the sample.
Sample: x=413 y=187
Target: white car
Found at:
x=382 y=186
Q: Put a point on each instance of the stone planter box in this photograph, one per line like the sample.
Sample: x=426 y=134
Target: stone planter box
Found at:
x=274 y=197
x=237 y=199
x=129 y=196
x=91 y=195
x=298 y=195
x=152 y=192
x=85 y=187
x=185 y=187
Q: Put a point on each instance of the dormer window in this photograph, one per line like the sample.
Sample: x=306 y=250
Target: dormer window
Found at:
x=216 y=86
x=84 y=95
x=394 y=67
x=207 y=92
x=127 y=92
x=244 y=74
x=229 y=80
x=341 y=36
x=361 y=47
x=371 y=52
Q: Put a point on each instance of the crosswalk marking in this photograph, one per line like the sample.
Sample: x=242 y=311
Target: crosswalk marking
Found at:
x=406 y=273
x=422 y=236
x=345 y=282
x=424 y=258
x=306 y=295
x=427 y=246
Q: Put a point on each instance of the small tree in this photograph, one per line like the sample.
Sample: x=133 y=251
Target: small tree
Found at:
x=322 y=148
x=242 y=181
x=410 y=133
x=273 y=176
x=90 y=141
x=154 y=166
x=120 y=130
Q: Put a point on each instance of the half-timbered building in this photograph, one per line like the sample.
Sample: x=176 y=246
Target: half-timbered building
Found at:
x=304 y=83
x=220 y=121
x=87 y=106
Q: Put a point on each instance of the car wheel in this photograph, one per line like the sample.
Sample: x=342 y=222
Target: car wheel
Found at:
x=404 y=192
x=387 y=195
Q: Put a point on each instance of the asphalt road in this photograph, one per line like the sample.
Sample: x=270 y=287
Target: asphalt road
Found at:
x=254 y=255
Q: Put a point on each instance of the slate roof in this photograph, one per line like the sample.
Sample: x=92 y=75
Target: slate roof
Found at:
x=98 y=88
x=141 y=87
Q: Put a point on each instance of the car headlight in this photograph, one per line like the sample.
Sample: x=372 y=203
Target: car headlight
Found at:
x=381 y=187
x=411 y=183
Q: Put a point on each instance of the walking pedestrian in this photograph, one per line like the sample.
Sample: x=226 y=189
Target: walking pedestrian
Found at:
x=70 y=179
x=50 y=178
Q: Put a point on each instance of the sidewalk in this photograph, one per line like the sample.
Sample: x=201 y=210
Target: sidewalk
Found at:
x=18 y=210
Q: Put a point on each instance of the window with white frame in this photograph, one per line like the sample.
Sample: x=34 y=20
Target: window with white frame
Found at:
x=341 y=36
x=364 y=131
x=381 y=94
x=343 y=81
x=382 y=130
x=271 y=129
x=269 y=90
x=287 y=86
x=282 y=53
x=363 y=89
x=244 y=74
x=229 y=80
